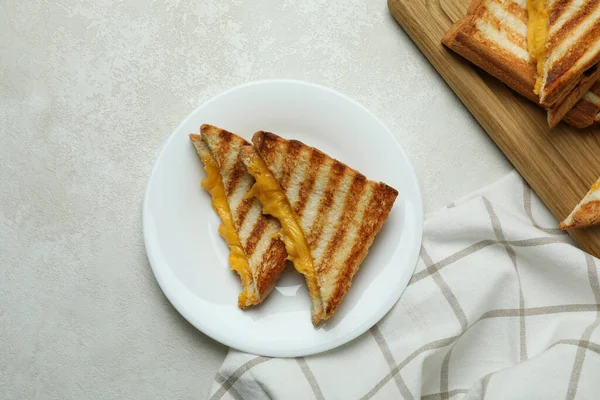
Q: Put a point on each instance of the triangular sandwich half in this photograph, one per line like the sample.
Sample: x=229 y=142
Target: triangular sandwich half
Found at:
x=256 y=254
x=563 y=38
x=329 y=213
x=587 y=212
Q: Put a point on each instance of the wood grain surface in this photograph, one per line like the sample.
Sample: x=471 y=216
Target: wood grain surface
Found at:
x=559 y=164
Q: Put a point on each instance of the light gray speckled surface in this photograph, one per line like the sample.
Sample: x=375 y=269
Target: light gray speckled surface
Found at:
x=90 y=90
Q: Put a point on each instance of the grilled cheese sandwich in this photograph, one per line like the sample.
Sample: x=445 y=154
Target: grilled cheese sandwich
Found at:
x=329 y=213
x=256 y=252
x=500 y=38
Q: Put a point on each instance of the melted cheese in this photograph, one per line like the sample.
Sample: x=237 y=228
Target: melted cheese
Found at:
x=238 y=261
x=537 y=37
x=595 y=186
x=275 y=203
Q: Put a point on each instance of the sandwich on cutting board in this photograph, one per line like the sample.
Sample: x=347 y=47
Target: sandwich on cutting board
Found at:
x=545 y=50
x=255 y=254
x=563 y=38
x=587 y=212
x=329 y=213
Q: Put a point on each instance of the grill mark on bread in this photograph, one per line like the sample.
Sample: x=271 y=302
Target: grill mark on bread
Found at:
x=239 y=169
x=563 y=13
x=221 y=146
x=308 y=216
x=242 y=211
x=518 y=11
x=262 y=244
x=571 y=58
x=512 y=35
x=232 y=157
x=224 y=146
x=251 y=219
x=351 y=203
x=558 y=9
x=493 y=11
x=566 y=30
x=564 y=56
x=307 y=187
x=298 y=175
x=513 y=10
x=267 y=276
x=377 y=212
x=339 y=264
x=325 y=205
x=292 y=152
x=268 y=260
x=257 y=232
x=490 y=37
x=236 y=197
x=225 y=136
x=333 y=218
x=278 y=160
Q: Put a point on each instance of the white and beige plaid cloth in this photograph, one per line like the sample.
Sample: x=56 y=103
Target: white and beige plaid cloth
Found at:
x=501 y=306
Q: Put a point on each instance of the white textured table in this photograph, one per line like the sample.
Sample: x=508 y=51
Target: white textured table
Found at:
x=90 y=90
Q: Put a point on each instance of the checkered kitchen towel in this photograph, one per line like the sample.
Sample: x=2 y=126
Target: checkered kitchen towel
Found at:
x=501 y=306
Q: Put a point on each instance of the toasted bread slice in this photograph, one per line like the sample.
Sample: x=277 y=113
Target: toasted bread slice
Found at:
x=572 y=48
x=255 y=253
x=337 y=209
x=587 y=212
x=493 y=36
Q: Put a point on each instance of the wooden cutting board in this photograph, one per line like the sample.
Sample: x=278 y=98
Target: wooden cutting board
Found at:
x=559 y=164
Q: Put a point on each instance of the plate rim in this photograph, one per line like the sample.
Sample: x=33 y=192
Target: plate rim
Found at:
x=296 y=352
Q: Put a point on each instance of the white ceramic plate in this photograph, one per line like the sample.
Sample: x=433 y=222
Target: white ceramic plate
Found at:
x=189 y=259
